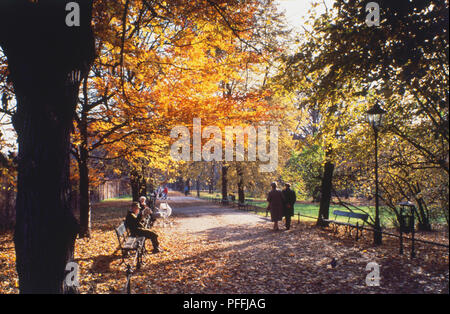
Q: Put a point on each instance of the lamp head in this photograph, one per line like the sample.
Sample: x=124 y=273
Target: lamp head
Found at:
x=375 y=115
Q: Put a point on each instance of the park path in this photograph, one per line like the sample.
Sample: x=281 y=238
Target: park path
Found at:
x=195 y=215
x=214 y=249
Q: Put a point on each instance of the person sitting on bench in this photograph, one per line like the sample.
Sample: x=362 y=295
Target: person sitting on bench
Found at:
x=137 y=229
x=145 y=211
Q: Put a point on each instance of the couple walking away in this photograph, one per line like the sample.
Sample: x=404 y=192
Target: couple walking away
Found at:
x=281 y=203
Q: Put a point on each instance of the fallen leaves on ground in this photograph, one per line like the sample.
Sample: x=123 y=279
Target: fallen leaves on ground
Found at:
x=237 y=254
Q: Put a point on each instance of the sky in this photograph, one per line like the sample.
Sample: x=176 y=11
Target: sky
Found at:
x=296 y=11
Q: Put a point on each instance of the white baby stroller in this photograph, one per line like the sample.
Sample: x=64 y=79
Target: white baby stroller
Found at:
x=163 y=212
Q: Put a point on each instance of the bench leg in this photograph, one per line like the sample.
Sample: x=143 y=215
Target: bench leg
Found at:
x=336 y=228
x=139 y=261
x=357 y=231
x=361 y=233
x=124 y=253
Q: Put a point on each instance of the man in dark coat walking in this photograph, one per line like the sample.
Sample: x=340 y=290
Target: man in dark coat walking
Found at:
x=289 y=202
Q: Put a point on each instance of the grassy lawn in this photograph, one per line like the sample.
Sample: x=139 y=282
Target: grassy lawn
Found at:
x=306 y=209
x=120 y=198
x=310 y=209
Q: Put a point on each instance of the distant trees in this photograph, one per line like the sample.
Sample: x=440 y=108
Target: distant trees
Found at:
x=161 y=65
x=343 y=66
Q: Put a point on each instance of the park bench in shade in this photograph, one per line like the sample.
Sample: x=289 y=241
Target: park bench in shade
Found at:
x=348 y=225
x=245 y=206
x=129 y=245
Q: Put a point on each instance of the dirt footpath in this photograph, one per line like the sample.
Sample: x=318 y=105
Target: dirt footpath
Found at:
x=194 y=215
x=213 y=249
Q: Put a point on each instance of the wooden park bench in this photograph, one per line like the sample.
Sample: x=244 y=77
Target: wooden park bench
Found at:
x=348 y=225
x=227 y=201
x=245 y=206
x=129 y=245
x=232 y=201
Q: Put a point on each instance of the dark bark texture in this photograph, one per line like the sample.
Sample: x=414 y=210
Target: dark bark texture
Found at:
x=138 y=184
x=46 y=61
x=85 y=210
x=325 y=199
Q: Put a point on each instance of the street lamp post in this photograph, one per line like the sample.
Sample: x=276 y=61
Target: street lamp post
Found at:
x=374 y=117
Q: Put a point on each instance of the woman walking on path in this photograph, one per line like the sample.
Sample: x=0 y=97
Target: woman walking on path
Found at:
x=276 y=204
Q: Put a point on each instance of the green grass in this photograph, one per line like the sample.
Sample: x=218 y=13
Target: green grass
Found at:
x=307 y=209
x=310 y=209
x=119 y=198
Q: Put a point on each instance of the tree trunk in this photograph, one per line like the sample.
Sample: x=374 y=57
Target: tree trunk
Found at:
x=138 y=184
x=424 y=221
x=325 y=199
x=45 y=226
x=188 y=184
x=46 y=83
x=150 y=186
x=210 y=188
x=240 y=173
x=224 y=184
x=212 y=179
x=83 y=170
x=85 y=208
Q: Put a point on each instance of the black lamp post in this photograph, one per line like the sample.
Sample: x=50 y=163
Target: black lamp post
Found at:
x=375 y=117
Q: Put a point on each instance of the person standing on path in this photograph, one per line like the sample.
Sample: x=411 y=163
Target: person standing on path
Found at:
x=165 y=193
x=289 y=202
x=276 y=200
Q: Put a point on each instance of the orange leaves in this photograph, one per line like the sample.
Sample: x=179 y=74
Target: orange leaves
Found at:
x=178 y=61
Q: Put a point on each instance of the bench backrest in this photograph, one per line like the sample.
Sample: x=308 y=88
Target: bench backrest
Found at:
x=351 y=215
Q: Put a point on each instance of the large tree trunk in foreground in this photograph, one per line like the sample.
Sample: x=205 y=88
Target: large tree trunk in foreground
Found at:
x=46 y=60
x=45 y=226
x=85 y=207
